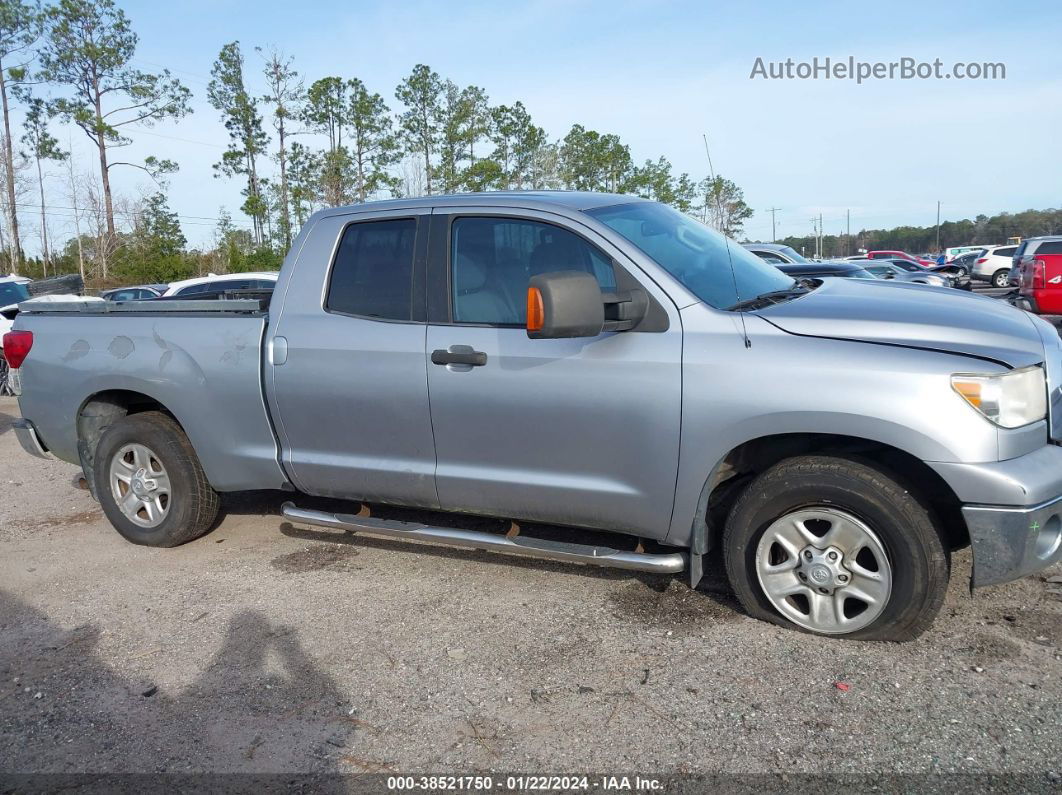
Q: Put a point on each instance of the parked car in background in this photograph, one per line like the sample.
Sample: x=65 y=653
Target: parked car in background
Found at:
x=954 y=252
x=1032 y=247
x=994 y=264
x=822 y=270
x=885 y=269
x=141 y=292
x=775 y=253
x=1040 y=275
x=12 y=291
x=954 y=275
x=957 y=276
x=899 y=255
x=966 y=261
x=218 y=283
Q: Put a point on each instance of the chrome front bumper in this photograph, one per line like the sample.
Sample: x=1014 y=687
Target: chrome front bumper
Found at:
x=28 y=438
x=1010 y=543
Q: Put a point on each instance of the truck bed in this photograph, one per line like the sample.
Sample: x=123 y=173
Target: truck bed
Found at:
x=202 y=360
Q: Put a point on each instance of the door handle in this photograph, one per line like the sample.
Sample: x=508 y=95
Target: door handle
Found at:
x=469 y=357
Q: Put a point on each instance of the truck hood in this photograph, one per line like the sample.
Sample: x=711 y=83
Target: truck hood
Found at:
x=913 y=316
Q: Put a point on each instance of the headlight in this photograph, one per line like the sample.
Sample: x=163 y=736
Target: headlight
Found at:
x=1010 y=400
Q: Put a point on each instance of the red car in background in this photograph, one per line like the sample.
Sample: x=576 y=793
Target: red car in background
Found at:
x=1040 y=275
x=925 y=263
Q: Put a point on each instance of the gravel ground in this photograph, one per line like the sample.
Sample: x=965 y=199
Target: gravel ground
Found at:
x=266 y=647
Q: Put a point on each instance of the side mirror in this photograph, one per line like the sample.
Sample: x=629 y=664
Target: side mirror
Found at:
x=564 y=304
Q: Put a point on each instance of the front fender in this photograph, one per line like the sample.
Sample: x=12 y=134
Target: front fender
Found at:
x=788 y=384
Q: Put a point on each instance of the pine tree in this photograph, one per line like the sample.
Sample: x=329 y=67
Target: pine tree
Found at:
x=419 y=123
x=20 y=28
x=228 y=94
x=42 y=146
x=89 y=45
x=285 y=95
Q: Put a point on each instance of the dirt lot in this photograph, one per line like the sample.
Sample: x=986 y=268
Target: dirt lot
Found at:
x=267 y=647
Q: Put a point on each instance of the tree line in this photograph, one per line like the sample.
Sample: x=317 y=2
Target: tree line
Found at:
x=295 y=145
x=73 y=62
x=982 y=230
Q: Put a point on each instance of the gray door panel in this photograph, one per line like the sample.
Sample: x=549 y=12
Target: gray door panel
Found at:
x=573 y=431
x=581 y=432
x=351 y=394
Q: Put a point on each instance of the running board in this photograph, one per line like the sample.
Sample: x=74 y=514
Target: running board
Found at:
x=671 y=563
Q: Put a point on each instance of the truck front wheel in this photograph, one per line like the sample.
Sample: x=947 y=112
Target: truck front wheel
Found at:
x=150 y=483
x=835 y=547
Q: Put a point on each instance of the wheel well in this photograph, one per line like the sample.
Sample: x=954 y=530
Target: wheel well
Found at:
x=751 y=458
x=101 y=410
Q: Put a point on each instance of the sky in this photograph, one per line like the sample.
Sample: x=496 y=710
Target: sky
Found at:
x=660 y=75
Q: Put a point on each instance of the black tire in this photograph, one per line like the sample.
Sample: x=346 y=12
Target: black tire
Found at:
x=192 y=505
x=913 y=545
x=1001 y=278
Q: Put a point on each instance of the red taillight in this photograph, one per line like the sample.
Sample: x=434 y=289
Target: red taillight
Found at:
x=982 y=259
x=1039 y=279
x=17 y=346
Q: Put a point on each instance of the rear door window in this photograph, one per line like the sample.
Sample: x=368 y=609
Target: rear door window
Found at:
x=372 y=275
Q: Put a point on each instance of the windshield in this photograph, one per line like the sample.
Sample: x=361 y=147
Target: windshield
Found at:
x=694 y=254
x=12 y=293
x=792 y=254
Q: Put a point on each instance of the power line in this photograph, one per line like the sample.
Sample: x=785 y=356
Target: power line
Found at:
x=772 y=210
x=178 y=138
x=123 y=213
x=72 y=217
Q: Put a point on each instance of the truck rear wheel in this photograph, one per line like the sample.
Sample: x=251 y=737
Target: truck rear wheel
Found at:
x=835 y=547
x=150 y=483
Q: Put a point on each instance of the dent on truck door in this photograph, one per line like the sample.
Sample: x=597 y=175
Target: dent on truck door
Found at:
x=572 y=431
x=351 y=394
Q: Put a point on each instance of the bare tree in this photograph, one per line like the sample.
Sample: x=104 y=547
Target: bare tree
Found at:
x=15 y=167
x=414 y=178
x=75 y=204
x=20 y=28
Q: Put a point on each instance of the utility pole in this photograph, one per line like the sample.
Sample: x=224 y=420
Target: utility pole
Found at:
x=815 y=229
x=774 y=236
x=938 y=227
x=820 y=236
x=847 y=231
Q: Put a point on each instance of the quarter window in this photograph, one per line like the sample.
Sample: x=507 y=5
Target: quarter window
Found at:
x=373 y=271
x=493 y=259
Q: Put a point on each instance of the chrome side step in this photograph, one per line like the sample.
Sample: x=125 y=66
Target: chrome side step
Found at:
x=670 y=563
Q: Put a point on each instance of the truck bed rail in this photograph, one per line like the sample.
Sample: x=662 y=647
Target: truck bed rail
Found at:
x=237 y=306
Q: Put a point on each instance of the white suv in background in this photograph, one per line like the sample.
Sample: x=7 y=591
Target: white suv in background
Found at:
x=994 y=265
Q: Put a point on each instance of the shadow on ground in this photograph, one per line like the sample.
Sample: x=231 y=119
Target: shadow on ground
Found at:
x=259 y=705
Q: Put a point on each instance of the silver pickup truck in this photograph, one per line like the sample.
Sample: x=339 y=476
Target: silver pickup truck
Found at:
x=585 y=360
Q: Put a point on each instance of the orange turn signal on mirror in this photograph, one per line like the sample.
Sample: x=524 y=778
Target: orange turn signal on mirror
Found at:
x=536 y=312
